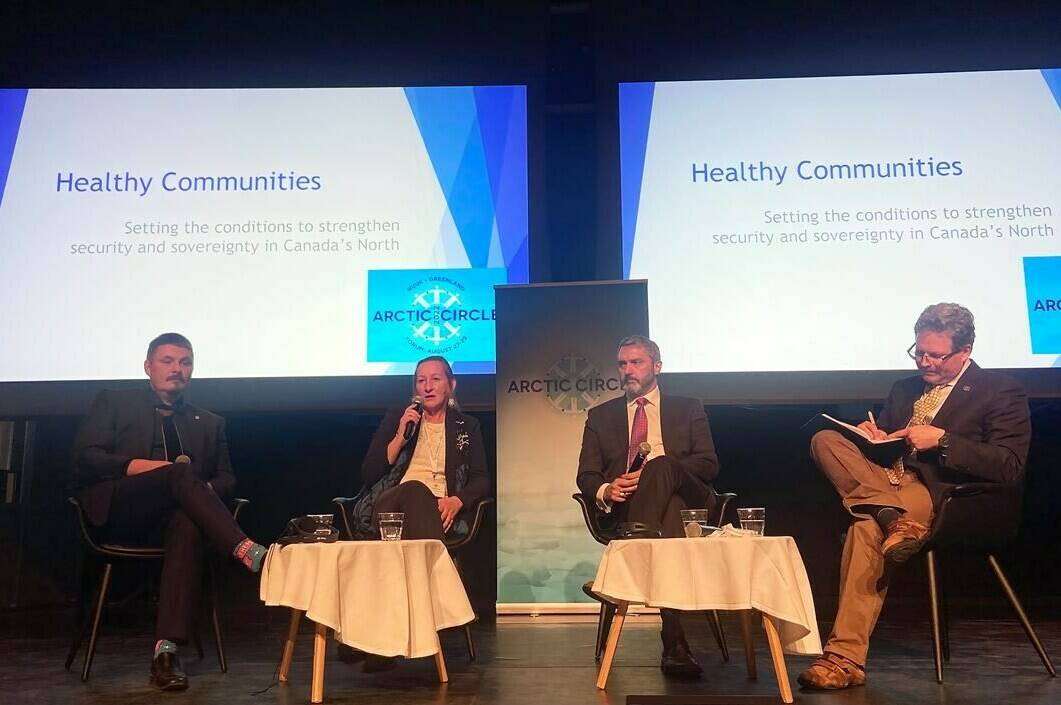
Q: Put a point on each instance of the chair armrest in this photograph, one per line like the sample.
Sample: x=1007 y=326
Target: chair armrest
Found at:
x=238 y=503
x=722 y=501
x=589 y=514
x=478 y=515
x=983 y=514
x=86 y=532
x=340 y=506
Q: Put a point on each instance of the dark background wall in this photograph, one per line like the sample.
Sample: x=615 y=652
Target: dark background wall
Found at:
x=293 y=457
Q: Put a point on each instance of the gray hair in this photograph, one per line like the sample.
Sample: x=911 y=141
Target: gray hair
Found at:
x=953 y=319
x=650 y=347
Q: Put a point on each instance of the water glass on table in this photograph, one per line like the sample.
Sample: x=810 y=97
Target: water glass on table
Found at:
x=390 y=525
x=752 y=519
x=695 y=523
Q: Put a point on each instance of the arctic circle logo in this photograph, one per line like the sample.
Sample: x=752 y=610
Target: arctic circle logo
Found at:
x=437 y=330
x=571 y=385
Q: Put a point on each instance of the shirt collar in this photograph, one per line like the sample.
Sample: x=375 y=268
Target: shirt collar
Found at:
x=652 y=398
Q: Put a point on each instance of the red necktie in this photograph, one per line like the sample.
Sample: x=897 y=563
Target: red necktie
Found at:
x=638 y=431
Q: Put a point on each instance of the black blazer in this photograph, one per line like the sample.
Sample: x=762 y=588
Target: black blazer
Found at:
x=987 y=422
x=465 y=455
x=605 y=441
x=121 y=426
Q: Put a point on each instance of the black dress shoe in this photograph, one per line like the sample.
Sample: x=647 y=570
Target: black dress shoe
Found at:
x=677 y=661
x=166 y=672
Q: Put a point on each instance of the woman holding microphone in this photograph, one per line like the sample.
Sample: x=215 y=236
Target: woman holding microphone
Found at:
x=432 y=454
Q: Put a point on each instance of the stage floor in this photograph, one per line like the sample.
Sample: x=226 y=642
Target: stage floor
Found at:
x=519 y=663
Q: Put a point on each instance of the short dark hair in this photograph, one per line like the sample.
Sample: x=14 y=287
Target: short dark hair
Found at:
x=167 y=339
x=643 y=341
x=953 y=319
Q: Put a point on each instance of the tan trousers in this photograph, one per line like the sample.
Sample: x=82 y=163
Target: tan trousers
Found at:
x=860 y=482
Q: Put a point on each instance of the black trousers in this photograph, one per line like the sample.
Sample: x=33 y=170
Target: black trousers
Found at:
x=174 y=507
x=422 y=519
x=665 y=488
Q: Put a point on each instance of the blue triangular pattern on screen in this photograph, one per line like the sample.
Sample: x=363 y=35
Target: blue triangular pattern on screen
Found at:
x=502 y=114
x=635 y=114
x=519 y=265
x=449 y=127
x=1053 y=82
x=12 y=103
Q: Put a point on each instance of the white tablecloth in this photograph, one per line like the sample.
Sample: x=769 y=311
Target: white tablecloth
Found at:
x=384 y=597
x=724 y=573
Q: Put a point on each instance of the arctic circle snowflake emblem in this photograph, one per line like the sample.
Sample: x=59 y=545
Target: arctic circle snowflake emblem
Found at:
x=573 y=384
x=435 y=328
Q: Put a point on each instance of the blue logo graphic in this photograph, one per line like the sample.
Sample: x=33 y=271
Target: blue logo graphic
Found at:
x=413 y=313
x=1042 y=285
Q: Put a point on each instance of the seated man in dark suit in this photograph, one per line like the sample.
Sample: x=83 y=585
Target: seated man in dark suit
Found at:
x=151 y=467
x=961 y=423
x=676 y=475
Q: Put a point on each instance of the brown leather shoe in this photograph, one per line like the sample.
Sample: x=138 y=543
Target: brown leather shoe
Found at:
x=832 y=672
x=905 y=538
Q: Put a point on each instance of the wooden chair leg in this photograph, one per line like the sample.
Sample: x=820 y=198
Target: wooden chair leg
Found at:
x=749 y=643
x=614 y=632
x=97 y=615
x=1024 y=621
x=720 y=634
x=320 y=648
x=933 y=599
x=773 y=638
x=289 y=645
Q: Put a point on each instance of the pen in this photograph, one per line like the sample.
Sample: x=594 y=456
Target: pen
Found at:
x=869 y=415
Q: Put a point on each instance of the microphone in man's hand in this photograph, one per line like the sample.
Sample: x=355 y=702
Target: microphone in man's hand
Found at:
x=642 y=452
x=410 y=426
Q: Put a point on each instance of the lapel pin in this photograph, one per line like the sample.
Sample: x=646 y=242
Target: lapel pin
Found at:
x=966 y=388
x=197 y=418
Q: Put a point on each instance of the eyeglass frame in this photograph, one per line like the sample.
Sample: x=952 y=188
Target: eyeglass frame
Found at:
x=937 y=359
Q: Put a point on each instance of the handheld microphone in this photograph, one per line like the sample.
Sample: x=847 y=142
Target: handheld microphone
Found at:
x=410 y=426
x=642 y=452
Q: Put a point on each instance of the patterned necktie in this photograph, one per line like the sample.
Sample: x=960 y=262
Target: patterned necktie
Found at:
x=923 y=409
x=638 y=431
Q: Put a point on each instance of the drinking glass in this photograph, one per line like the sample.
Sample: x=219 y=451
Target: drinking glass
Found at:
x=695 y=523
x=752 y=519
x=390 y=525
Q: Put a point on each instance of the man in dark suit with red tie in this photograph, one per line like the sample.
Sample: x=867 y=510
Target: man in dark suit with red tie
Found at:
x=677 y=473
x=961 y=423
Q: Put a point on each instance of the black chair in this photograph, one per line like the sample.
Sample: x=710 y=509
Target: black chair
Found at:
x=603 y=535
x=983 y=517
x=454 y=544
x=106 y=554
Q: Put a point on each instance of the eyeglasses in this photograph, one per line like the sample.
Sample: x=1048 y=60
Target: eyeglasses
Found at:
x=916 y=355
